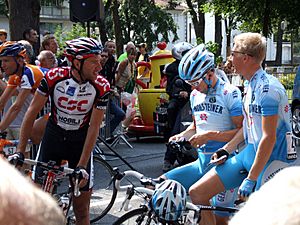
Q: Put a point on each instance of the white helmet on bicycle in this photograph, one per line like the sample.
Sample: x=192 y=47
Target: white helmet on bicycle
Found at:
x=196 y=63
x=169 y=200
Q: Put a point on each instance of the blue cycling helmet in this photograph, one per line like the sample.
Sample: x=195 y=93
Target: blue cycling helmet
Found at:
x=13 y=49
x=169 y=200
x=82 y=48
x=196 y=63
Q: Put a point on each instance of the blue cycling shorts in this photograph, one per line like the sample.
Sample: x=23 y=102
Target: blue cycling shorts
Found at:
x=190 y=173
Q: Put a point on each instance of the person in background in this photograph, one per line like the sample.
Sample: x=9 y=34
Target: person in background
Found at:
x=130 y=45
x=143 y=56
x=29 y=50
x=47 y=59
x=111 y=63
x=32 y=37
x=179 y=92
x=117 y=115
x=3 y=35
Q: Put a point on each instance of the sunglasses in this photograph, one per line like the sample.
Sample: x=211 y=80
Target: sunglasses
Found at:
x=238 y=52
x=194 y=83
x=104 y=56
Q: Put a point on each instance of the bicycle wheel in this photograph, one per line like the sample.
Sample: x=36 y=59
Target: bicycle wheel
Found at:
x=137 y=216
x=104 y=193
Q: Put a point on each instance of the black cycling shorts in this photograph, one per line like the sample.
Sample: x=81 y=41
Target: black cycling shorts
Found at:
x=59 y=144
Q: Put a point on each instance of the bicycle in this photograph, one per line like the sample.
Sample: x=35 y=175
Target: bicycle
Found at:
x=102 y=176
x=145 y=213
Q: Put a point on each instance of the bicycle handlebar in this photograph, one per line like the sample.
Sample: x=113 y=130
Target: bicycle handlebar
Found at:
x=48 y=166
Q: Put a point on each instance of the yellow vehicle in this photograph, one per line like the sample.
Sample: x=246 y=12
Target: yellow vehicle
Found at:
x=153 y=91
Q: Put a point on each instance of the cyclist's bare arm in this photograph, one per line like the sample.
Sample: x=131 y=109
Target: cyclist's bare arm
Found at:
x=199 y=139
x=232 y=145
x=265 y=147
x=6 y=95
x=187 y=133
x=15 y=109
x=92 y=134
x=35 y=107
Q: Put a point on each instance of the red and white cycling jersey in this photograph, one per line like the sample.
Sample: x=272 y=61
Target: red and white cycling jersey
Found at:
x=72 y=103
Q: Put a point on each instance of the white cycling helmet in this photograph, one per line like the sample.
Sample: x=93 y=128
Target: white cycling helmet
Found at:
x=196 y=63
x=179 y=49
x=169 y=200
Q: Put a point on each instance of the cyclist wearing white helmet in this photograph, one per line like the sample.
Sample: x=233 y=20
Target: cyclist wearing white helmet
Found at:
x=217 y=116
x=78 y=100
x=179 y=93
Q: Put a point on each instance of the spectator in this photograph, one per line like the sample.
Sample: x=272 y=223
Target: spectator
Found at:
x=142 y=55
x=125 y=79
x=116 y=113
x=21 y=202
x=29 y=50
x=130 y=45
x=49 y=43
x=47 y=59
x=32 y=37
x=3 y=35
x=111 y=64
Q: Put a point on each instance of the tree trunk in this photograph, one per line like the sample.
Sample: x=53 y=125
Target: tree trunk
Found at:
x=24 y=14
x=117 y=28
x=198 y=21
x=266 y=19
x=218 y=33
x=228 y=36
x=278 y=59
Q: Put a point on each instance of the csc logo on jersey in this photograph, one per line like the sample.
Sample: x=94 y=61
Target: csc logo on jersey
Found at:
x=71 y=104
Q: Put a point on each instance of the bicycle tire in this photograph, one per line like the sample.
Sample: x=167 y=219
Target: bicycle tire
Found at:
x=104 y=194
x=137 y=216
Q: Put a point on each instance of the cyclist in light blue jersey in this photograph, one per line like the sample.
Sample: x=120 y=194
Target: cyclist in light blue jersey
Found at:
x=217 y=116
x=266 y=130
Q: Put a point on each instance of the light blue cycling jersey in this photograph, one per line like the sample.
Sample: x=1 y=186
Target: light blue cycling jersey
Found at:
x=265 y=97
x=212 y=111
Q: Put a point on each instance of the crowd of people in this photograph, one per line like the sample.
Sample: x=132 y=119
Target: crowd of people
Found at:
x=62 y=101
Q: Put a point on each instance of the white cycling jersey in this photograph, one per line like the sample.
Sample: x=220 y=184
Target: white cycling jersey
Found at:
x=213 y=111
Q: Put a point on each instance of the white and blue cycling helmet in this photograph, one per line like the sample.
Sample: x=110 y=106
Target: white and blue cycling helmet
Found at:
x=169 y=200
x=196 y=63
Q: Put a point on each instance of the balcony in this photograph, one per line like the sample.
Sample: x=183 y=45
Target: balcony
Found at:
x=55 y=13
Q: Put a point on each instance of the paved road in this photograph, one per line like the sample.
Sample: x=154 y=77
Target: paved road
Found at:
x=146 y=157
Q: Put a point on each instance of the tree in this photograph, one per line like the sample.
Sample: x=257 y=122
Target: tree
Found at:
x=23 y=14
x=197 y=14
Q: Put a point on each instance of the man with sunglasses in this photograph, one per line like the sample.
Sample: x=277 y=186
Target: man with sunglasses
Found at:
x=266 y=131
x=217 y=116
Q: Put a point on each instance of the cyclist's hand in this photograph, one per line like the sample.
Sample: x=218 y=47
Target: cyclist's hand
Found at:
x=246 y=188
x=177 y=138
x=16 y=159
x=219 y=157
x=82 y=175
x=197 y=140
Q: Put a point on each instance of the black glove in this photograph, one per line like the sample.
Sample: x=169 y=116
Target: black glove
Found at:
x=220 y=152
x=80 y=173
x=16 y=159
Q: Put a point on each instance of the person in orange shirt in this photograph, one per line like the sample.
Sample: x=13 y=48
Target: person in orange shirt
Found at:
x=23 y=80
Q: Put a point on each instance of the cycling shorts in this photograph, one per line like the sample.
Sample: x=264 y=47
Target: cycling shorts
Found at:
x=190 y=173
x=234 y=170
x=59 y=144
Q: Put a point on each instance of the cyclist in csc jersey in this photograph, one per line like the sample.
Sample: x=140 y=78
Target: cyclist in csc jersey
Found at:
x=78 y=101
x=266 y=130
x=217 y=116
x=23 y=79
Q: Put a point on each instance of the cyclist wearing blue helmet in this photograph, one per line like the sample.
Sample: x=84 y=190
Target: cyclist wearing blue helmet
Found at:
x=78 y=101
x=217 y=116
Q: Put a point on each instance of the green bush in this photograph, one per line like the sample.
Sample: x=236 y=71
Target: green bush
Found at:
x=287 y=80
